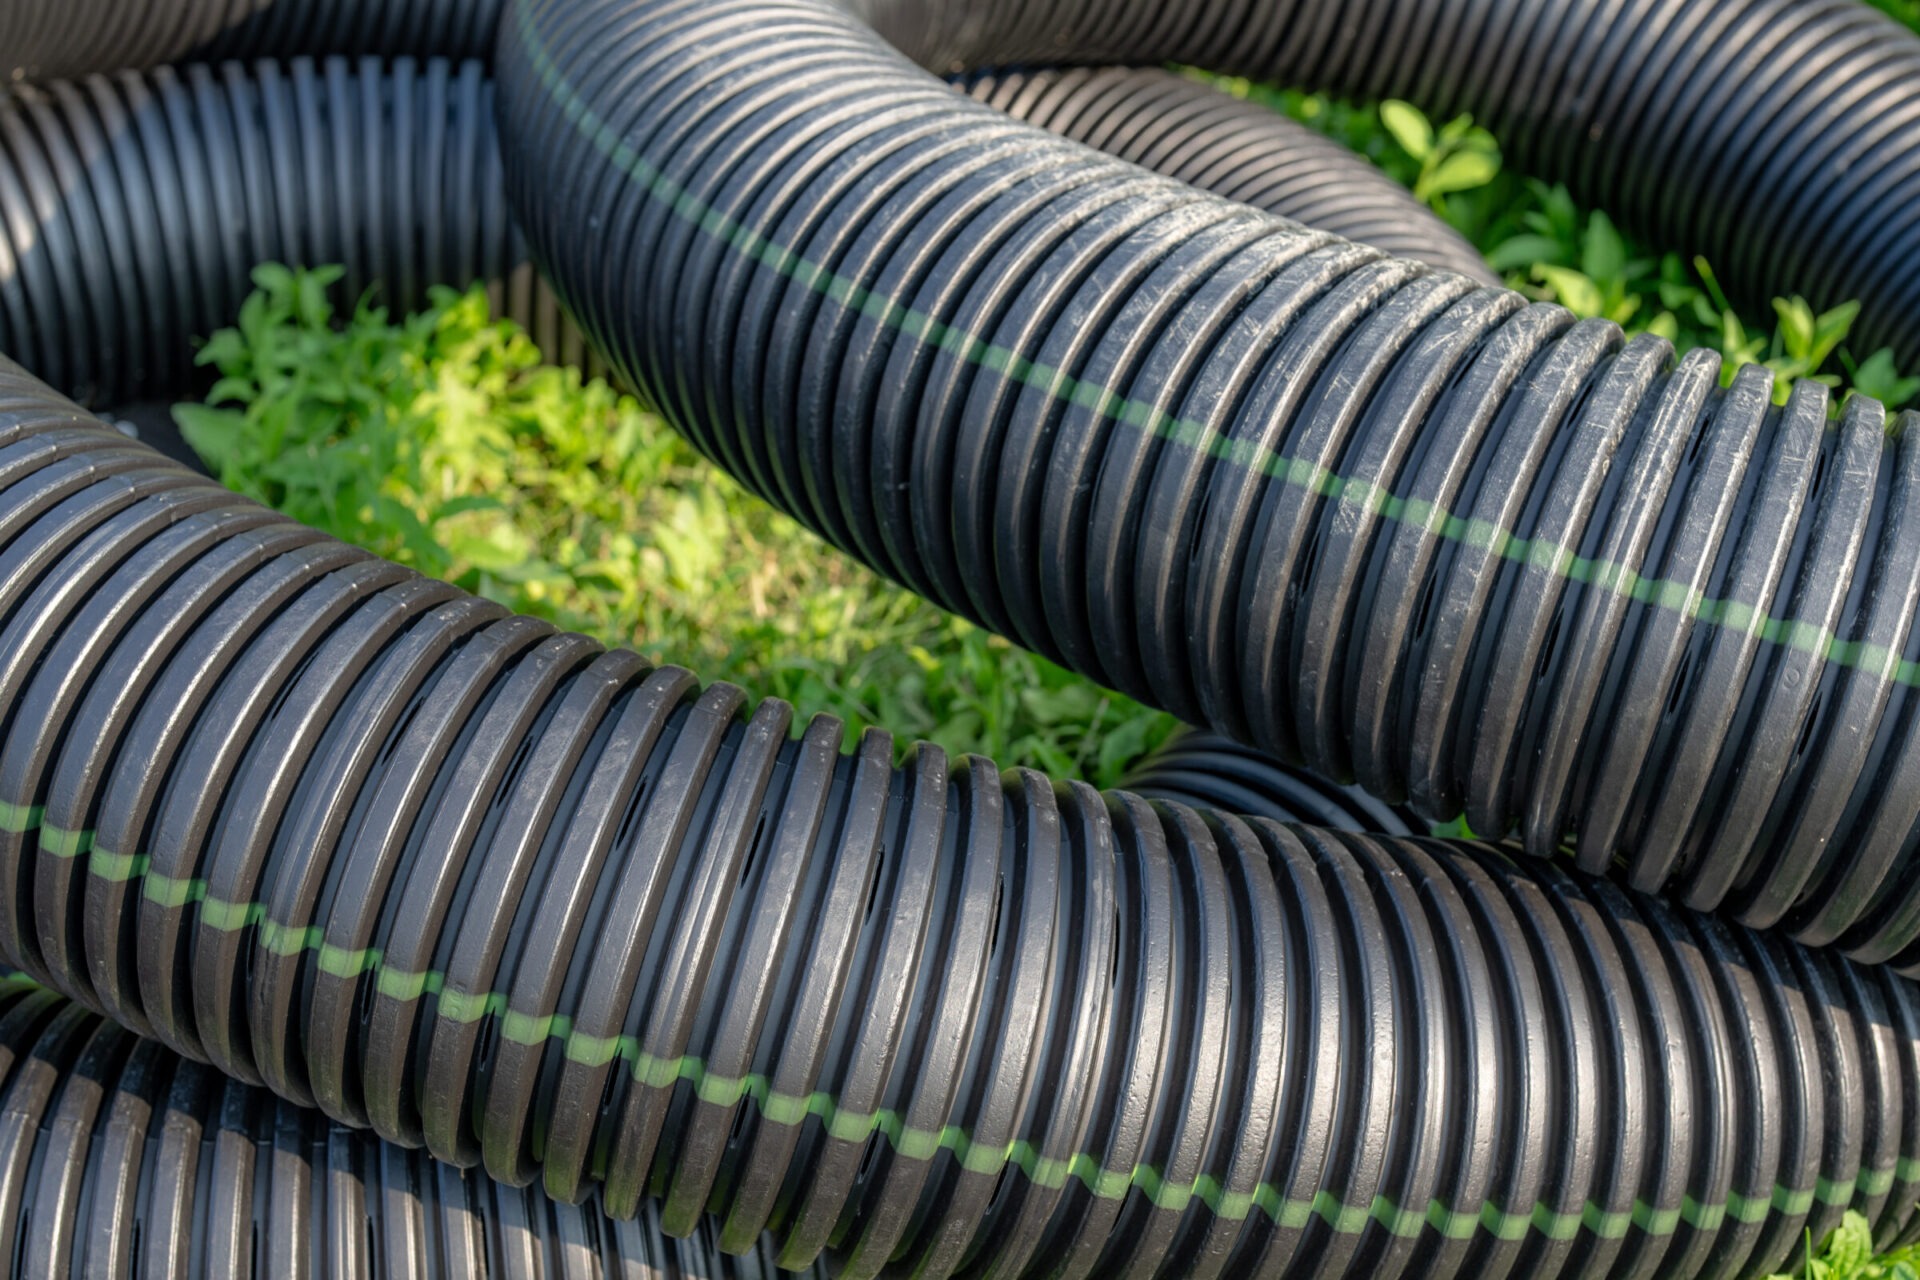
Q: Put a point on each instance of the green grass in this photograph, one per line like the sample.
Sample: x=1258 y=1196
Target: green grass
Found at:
x=441 y=440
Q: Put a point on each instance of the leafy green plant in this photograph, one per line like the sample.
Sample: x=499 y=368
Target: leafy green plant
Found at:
x=1459 y=156
x=1602 y=284
x=1545 y=243
x=442 y=441
x=1803 y=341
x=1875 y=376
x=1579 y=259
x=1847 y=1254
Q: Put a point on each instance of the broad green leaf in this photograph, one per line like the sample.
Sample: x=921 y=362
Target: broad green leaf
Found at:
x=1571 y=289
x=1796 y=325
x=1876 y=376
x=215 y=434
x=1603 y=255
x=1830 y=329
x=1409 y=128
x=1460 y=171
x=1525 y=251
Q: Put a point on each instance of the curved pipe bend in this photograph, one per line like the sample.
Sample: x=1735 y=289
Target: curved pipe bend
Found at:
x=1369 y=517
x=489 y=890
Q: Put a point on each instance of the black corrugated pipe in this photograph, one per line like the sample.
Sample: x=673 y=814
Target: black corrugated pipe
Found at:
x=1770 y=135
x=1184 y=129
x=392 y=170
x=487 y=889
x=1384 y=521
x=133 y=206
x=118 y=1157
x=53 y=39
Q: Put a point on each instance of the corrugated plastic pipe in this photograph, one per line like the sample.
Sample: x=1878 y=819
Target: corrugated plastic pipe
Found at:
x=1770 y=135
x=118 y=1157
x=1185 y=129
x=1384 y=521
x=490 y=890
x=133 y=206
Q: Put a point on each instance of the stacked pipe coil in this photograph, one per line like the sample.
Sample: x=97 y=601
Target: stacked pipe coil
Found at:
x=493 y=892
x=119 y=1157
x=1375 y=519
x=133 y=205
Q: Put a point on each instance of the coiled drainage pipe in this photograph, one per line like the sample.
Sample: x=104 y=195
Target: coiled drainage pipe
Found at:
x=486 y=889
x=1379 y=520
x=489 y=890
